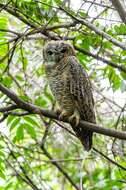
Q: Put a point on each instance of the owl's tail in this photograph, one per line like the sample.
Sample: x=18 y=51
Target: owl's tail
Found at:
x=85 y=136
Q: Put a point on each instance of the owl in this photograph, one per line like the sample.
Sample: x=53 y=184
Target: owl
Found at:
x=71 y=87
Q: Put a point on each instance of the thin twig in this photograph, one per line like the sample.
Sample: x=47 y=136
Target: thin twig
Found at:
x=109 y=159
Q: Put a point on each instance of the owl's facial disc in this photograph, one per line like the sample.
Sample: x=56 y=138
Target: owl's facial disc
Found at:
x=54 y=51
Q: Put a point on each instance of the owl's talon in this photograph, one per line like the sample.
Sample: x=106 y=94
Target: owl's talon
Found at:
x=62 y=115
x=75 y=118
x=57 y=111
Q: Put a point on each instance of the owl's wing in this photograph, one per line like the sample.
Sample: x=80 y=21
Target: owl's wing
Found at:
x=80 y=88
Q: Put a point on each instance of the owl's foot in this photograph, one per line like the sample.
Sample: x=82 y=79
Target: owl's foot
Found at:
x=57 y=111
x=75 y=118
x=63 y=114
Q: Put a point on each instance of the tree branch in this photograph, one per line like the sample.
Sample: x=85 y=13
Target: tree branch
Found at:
x=109 y=159
x=100 y=5
x=15 y=13
x=8 y=108
x=120 y=9
x=50 y=114
x=52 y=160
x=95 y=29
x=117 y=66
x=59 y=168
x=26 y=177
x=76 y=21
x=62 y=25
x=18 y=174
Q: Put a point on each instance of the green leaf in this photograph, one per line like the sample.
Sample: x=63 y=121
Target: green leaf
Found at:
x=20 y=133
x=9 y=186
x=14 y=123
x=19 y=78
x=114 y=78
x=58 y=2
x=3 y=22
x=10 y=119
x=40 y=71
x=123 y=75
x=25 y=63
x=41 y=101
x=2 y=175
x=31 y=131
x=1 y=146
x=3 y=65
x=120 y=29
x=2 y=154
x=48 y=94
x=25 y=98
x=7 y=81
x=31 y=120
x=2 y=166
x=82 y=14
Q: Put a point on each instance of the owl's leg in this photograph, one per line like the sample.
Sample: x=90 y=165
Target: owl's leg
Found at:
x=75 y=117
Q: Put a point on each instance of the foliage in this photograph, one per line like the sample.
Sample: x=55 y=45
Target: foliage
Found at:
x=37 y=152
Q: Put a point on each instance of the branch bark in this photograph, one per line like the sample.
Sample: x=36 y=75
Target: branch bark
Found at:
x=117 y=66
x=95 y=29
x=50 y=114
x=120 y=9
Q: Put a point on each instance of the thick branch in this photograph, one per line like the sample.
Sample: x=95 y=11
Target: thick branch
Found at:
x=8 y=108
x=120 y=9
x=50 y=114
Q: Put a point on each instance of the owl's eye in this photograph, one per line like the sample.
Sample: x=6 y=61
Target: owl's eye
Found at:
x=63 y=50
x=50 y=52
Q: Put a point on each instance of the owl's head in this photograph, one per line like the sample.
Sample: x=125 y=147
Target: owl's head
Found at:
x=54 y=51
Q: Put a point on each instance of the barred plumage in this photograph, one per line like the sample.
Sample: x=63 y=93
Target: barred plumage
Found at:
x=71 y=87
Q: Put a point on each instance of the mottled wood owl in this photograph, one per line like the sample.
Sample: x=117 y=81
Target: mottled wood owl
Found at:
x=71 y=87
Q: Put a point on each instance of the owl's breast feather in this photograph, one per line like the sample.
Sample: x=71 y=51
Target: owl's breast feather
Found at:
x=50 y=65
